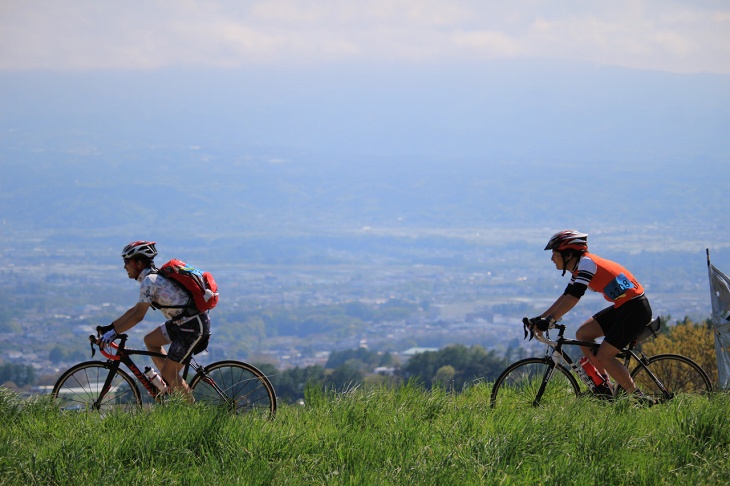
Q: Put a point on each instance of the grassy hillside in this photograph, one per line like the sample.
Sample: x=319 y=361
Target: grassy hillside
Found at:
x=404 y=436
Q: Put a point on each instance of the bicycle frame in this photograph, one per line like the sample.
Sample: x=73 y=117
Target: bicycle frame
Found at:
x=123 y=356
x=555 y=353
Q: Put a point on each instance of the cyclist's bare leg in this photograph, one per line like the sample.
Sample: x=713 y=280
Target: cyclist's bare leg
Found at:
x=172 y=374
x=588 y=332
x=607 y=356
x=155 y=341
x=170 y=370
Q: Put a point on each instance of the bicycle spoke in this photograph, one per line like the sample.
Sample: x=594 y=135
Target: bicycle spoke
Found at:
x=238 y=386
x=677 y=373
x=81 y=387
x=520 y=384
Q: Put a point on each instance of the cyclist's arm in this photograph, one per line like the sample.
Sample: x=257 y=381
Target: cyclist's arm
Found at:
x=562 y=306
x=131 y=318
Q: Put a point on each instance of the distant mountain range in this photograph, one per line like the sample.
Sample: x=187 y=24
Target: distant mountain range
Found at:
x=408 y=152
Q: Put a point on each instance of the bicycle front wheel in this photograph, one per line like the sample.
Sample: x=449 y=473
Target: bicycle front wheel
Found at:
x=522 y=384
x=677 y=373
x=235 y=385
x=82 y=388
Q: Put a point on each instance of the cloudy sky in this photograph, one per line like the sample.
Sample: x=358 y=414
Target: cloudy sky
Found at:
x=687 y=36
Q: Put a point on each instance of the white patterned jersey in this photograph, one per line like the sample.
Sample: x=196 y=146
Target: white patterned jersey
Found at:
x=158 y=289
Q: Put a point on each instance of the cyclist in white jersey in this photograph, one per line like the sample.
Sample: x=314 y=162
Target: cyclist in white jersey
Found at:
x=185 y=328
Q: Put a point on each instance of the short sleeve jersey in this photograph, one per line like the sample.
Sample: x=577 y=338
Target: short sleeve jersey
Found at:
x=156 y=288
x=597 y=274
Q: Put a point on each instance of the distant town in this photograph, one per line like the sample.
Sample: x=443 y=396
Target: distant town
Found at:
x=294 y=315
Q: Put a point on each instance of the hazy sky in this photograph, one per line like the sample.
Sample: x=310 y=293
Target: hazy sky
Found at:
x=466 y=95
x=691 y=36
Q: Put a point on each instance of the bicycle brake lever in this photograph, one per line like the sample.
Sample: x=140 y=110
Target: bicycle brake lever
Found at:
x=525 y=328
x=92 y=339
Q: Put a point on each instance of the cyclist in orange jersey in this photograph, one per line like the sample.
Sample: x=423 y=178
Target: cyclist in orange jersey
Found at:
x=620 y=323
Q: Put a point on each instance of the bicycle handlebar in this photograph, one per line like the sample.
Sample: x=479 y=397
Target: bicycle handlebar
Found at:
x=541 y=336
x=95 y=340
x=545 y=339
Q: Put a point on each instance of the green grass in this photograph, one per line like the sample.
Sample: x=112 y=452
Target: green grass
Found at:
x=380 y=436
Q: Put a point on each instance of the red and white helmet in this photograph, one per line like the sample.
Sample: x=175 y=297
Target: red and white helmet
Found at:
x=143 y=248
x=568 y=240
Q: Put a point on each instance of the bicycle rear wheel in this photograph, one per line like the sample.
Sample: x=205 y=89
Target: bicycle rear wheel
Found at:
x=81 y=388
x=238 y=386
x=522 y=384
x=677 y=373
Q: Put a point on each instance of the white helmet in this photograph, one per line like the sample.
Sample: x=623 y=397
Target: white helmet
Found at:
x=143 y=248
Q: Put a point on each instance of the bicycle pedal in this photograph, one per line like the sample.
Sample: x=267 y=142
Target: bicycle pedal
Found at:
x=603 y=391
x=645 y=400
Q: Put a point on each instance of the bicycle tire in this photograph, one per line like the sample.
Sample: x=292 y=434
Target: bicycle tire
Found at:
x=246 y=388
x=79 y=388
x=679 y=374
x=520 y=384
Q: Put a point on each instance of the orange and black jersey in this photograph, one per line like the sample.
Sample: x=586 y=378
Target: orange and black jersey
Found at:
x=597 y=274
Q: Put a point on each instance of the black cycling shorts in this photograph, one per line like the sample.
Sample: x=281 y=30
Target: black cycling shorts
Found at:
x=186 y=336
x=621 y=325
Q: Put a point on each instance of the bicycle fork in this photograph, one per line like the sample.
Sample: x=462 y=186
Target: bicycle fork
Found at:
x=555 y=361
x=556 y=356
x=112 y=367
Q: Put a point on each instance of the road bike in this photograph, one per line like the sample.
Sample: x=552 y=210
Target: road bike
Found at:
x=555 y=377
x=105 y=386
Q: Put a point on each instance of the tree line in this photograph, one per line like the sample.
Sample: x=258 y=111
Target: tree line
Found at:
x=457 y=366
x=452 y=367
x=15 y=375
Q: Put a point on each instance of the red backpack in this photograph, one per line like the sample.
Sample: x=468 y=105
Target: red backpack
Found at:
x=199 y=285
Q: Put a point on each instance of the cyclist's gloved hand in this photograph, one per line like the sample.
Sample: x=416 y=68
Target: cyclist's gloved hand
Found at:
x=108 y=333
x=544 y=323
